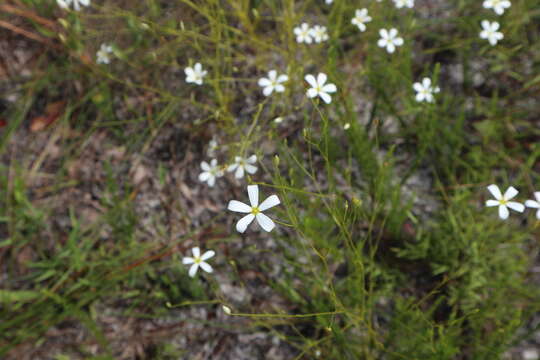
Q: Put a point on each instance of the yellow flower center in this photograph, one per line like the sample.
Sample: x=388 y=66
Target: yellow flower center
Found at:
x=503 y=202
x=255 y=210
x=197 y=260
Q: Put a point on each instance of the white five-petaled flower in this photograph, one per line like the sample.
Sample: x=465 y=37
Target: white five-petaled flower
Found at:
x=273 y=83
x=103 y=54
x=255 y=210
x=198 y=261
x=320 y=88
x=360 y=19
x=503 y=201
x=76 y=3
x=490 y=32
x=303 y=34
x=210 y=172
x=389 y=39
x=319 y=33
x=243 y=164
x=195 y=74
x=404 y=3
x=425 y=91
x=535 y=204
x=497 y=5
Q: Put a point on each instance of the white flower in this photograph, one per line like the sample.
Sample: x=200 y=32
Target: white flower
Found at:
x=320 y=88
x=241 y=164
x=490 y=32
x=389 y=40
x=103 y=54
x=255 y=210
x=303 y=34
x=347 y=126
x=424 y=90
x=76 y=3
x=210 y=172
x=195 y=74
x=329 y=1
x=360 y=19
x=497 y=5
x=272 y=83
x=404 y=3
x=198 y=261
x=503 y=201
x=319 y=33
x=535 y=204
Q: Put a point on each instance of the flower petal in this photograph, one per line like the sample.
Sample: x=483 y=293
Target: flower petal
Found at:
x=193 y=269
x=519 y=207
x=263 y=82
x=329 y=88
x=492 y=202
x=204 y=175
x=250 y=169
x=206 y=267
x=321 y=79
x=325 y=97
x=532 y=204
x=244 y=222
x=265 y=222
x=267 y=91
x=196 y=252
x=311 y=93
x=239 y=172
x=510 y=193
x=237 y=206
x=188 y=260
x=253 y=193
x=311 y=80
x=503 y=212
x=270 y=202
x=207 y=255
x=495 y=191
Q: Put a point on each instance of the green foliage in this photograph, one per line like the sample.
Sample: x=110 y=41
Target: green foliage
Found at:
x=367 y=272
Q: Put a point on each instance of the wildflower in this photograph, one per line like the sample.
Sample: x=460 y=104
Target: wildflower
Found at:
x=497 y=5
x=278 y=120
x=320 y=88
x=535 y=204
x=103 y=54
x=303 y=34
x=360 y=19
x=227 y=310
x=210 y=172
x=424 y=90
x=490 y=32
x=404 y=3
x=272 y=83
x=195 y=74
x=389 y=40
x=503 y=201
x=255 y=210
x=328 y=2
x=198 y=261
x=347 y=126
x=243 y=164
x=76 y=4
x=319 y=33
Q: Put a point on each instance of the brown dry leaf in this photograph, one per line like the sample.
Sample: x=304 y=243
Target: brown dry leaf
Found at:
x=52 y=113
